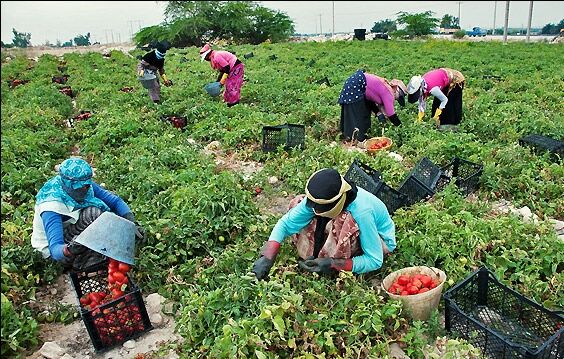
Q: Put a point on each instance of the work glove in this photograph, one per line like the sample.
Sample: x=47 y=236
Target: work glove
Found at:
x=437 y=115
x=167 y=82
x=420 y=116
x=381 y=118
x=74 y=249
x=139 y=231
x=140 y=73
x=262 y=266
x=223 y=79
x=326 y=265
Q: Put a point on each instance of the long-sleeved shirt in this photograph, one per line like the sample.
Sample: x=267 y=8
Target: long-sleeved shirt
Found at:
x=373 y=220
x=150 y=62
x=219 y=59
x=53 y=221
x=435 y=83
x=380 y=93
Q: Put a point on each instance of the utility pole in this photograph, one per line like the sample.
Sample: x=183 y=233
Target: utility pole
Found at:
x=106 y=33
x=506 y=22
x=459 y=2
x=333 y=32
x=320 y=26
x=112 y=31
x=530 y=18
x=495 y=9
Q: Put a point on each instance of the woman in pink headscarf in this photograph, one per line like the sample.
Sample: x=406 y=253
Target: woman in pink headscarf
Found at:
x=231 y=71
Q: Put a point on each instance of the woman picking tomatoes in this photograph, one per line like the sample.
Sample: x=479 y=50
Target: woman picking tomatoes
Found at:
x=446 y=86
x=65 y=206
x=336 y=226
x=364 y=93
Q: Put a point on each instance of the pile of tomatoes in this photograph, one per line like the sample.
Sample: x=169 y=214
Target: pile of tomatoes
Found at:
x=84 y=115
x=117 y=322
x=379 y=144
x=414 y=284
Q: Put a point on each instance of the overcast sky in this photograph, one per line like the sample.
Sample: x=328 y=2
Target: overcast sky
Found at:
x=63 y=20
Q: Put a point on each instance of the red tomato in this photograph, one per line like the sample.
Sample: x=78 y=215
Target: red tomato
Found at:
x=85 y=299
x=433 y=284
x=417 y=283
x=111 y=278
x=423 y=290
x=426 y=280
x=124 y=267
x=118 y=276
x=412 y=289
x=116 y=293
x=404 y=293
x=403 y=279
x=113 y=264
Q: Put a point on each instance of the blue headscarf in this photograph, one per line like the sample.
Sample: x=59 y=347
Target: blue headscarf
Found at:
x=74 y=174
x=354 y=89
x=160 y=55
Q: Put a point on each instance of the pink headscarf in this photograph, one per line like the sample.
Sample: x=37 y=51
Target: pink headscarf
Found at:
x=206 y=49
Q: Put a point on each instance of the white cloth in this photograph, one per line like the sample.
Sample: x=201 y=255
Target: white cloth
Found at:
x=39 y=236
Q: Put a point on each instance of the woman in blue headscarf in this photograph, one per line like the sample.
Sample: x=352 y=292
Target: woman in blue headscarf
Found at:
x=65 y=206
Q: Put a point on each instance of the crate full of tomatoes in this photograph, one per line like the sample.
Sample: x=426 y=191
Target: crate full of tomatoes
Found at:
x=111 y=305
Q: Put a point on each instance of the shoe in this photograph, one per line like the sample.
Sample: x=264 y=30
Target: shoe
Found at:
x=232 y=104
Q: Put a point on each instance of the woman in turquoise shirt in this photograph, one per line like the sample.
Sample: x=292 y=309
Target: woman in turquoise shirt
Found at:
x=337 y=227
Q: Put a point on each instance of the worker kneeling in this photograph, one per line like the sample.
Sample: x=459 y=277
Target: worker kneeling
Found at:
x=335 y=226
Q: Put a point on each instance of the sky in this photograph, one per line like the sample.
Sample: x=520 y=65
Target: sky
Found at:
x=113 y=21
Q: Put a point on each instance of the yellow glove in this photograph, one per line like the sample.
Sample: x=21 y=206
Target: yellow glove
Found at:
x=437 y=115
x=223 y=79
x=167 y=82
x=140 y=72
x=420 y=116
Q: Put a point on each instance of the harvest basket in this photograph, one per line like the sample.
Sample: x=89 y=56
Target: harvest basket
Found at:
x=500 y=321
x=418 y=306
x=370 y=142
x=115 y=322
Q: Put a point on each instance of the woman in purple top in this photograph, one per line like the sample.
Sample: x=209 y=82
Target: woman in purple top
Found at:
x=446 y=86
x=364 y=93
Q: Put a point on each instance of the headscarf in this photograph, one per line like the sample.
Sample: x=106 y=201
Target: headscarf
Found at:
x=328 y=193
x=400 y=91
x=414 y=88
x=161 y=49
x=69 y=188
x=354 y=89
x=204 y=51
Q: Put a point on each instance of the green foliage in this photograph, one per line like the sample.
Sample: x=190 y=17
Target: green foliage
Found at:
x=552 y=29
x=450 y=22
x=459 y=34
x=195 y=22
x=21 y=39
x=417 y=24
x=82 y=40
x=19 y=329
x=386 y=26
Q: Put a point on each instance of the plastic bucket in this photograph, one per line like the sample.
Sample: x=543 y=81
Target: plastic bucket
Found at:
x=418 y=306
x=213 y=89
x=148 y=80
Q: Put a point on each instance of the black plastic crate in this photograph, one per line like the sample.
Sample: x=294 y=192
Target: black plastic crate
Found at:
x=500 y=321
x=542 y=144
x=117 y=321
x=371 y=180
x=467 y=174
x=393 y=199
x=414 y=190
x=288 y=135
x=427 y=173
x=364 y=176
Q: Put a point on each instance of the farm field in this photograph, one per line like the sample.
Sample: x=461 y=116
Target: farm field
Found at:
x=206 y=220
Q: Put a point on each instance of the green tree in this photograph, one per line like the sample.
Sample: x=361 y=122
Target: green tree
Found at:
x=552 y=29
x=195 y=22
x=21 y=39
x=449 y=22
x=82 y=40
x=417 y=24
x=384 y=26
